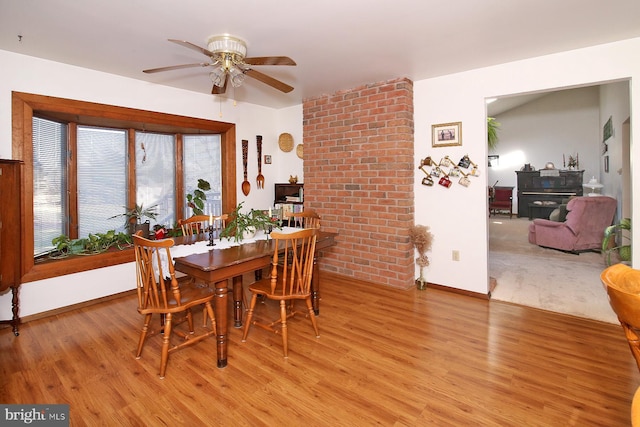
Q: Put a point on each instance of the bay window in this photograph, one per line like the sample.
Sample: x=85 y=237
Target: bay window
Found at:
x=86 y=163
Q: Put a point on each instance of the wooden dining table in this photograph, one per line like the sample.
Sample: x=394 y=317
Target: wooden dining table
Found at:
x=217 y=266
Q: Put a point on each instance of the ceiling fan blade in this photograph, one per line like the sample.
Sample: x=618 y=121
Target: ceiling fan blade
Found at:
x=193 y=46
x=277 y=84
x=217 y=90
x=269 y=60
x=176 y=67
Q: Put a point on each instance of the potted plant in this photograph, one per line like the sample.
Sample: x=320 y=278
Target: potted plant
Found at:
x=244 y=225
x=492 y=132
x=196 y=199
x=615 y=233
x=133 y=218
x=421 y=239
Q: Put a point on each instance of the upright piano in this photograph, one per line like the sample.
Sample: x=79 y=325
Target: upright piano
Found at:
x=546 y=188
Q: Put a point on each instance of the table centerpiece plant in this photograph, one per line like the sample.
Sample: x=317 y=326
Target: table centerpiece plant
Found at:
x=422 y=239
x=244 y=225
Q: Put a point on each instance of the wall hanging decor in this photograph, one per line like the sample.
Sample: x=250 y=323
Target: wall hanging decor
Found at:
x=443 y=171
x=446 y=134
x=285 y=142
x=607 y=129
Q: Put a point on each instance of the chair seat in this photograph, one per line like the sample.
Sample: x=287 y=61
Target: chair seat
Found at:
x=623 y=288
x=190 y=295
x=263 y=287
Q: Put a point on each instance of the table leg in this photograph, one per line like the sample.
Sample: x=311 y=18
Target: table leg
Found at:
x=220 y=304
x=315 y=287
x=237 y=301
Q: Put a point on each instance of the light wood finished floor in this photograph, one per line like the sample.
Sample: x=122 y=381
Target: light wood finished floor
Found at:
x=385 y=357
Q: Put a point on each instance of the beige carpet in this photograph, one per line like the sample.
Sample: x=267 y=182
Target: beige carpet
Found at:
x=551 y=280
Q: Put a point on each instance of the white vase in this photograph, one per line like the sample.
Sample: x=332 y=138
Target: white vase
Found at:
x=249 y=233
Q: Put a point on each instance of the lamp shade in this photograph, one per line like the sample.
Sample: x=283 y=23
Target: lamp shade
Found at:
x=594 y=186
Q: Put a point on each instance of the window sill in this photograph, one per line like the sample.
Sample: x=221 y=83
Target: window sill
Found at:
x=48 y=268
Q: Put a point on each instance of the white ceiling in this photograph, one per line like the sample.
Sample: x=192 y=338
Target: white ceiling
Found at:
x=337 y=44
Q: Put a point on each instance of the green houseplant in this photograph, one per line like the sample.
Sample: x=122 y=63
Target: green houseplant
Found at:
x=133 y=218
x=196 y=199
x=242 y=225
x=617 y=233
x=92 y=244
x=492 y=132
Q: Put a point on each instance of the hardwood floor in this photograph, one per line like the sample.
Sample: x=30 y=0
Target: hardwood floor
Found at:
x=384 y=357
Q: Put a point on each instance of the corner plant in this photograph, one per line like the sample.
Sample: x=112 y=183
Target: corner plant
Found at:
x=421 y=239
x=246 y=222
x=196 y=199
x=609 y=240
x=492 y=132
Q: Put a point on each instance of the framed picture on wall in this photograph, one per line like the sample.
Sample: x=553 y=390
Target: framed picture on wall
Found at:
x=606 y=164
x=446 y=134
x=607 y=130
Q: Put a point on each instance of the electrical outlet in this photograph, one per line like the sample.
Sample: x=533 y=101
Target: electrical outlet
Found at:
x=455 y=255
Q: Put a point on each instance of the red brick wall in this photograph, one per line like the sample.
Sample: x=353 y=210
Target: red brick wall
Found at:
x=358 y=175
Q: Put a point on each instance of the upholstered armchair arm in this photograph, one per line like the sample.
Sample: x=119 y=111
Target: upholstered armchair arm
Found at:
x=544 y=232
x=554 y=225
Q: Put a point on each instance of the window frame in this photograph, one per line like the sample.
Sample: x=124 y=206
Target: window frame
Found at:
x=24 y=105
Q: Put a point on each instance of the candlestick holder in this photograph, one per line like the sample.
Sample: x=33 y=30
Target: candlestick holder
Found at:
x=211 y=243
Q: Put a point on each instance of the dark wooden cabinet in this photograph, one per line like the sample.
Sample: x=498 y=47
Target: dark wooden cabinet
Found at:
x=546 y=188
x=282 y=191
x=10 y=231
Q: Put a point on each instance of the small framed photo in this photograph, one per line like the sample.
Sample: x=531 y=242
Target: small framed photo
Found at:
x=606 y=164
x=267 y=159
x=446 y=134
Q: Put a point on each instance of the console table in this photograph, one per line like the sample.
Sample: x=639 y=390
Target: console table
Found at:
x=547 y=187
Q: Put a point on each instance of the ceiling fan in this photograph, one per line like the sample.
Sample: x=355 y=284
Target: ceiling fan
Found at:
x=227 y=57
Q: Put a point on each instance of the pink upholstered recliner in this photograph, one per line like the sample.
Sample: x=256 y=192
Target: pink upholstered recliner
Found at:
x=583 y=228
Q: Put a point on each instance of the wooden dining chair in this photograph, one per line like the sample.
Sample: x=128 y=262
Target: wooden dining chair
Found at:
x=295 y=251
x=166 y=297
x=305 y=219
x=199 y=223
x=623 y=287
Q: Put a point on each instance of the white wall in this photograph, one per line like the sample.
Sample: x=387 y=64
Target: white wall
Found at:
x=287 y=164
x=458 y=216
x=560 y=123
x=614 y=103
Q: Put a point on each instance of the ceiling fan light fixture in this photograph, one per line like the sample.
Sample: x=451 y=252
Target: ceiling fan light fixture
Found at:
x=237 y=76
x=228 y=63
x=218 y=75
x=226 y=43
